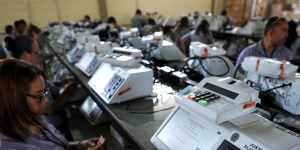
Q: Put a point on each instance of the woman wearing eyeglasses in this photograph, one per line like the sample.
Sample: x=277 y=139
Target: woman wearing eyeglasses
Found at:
x=23 y=100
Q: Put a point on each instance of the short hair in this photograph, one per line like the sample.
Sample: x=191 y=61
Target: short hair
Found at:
x=16 y=23
x=151 y=21
x=87 y=17
x=22 y=44
x=34 y=29
x=111 y=20
x=272 y=23
x=138 y=12
x=223 y=12
x=9 y=29
x=22 y=21
x=184 y=22
x=203 y=26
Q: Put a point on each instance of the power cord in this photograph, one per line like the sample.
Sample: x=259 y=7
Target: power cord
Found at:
x=278 y=87
x=236 y=70
x=200 y=63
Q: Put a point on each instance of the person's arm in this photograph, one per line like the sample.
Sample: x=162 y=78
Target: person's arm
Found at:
x=184 y=43
x=98 y=143
x=210 y=38
x=238 y=67
x=75 y=145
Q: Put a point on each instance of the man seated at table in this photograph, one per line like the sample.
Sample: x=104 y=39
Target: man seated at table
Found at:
x=56 y=114
x=272 y=44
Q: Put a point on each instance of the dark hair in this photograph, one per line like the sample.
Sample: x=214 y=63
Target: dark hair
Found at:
x=9 y=29
x=203 y=27
x=112 y=20
x=292 y=34
x=151 y=21
x=138 y=12
x=223 y=12
x=22 y=22
x=20 y=26
x=16 y=23
x=33 y=29
x=272 y=23
x=15 y=115
x=22 y=44
x=87 y=17
x=183 y=23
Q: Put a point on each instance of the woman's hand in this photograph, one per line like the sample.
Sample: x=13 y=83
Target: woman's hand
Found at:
x=94 y=144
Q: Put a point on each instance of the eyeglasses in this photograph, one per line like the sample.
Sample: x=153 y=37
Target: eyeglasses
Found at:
x=45 y=94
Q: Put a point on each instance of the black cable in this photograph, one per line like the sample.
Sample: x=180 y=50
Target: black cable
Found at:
x=219 y=75
x=200 y=60
x=236 y=70
x=193 y=59
x=277 y=87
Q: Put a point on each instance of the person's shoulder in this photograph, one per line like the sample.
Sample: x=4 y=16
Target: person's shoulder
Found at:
x=8 y=143
x=247 y=51
x=250 y=48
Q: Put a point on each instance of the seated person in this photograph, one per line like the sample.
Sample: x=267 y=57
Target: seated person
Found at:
x=272 y=45
x=56 y=113
x=20 y=27
x=87 y=21
x=24 y=50
x=201 y=34
x=182 y=28
x=137 y=20
x=227 y=20
x=111 y=30
x=113 y=24
x=150 y=28
x=34 y=33
x=9 y=38
x=24 y=98
x=293 y=42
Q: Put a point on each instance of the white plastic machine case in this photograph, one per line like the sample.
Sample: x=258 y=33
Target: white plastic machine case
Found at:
x=235 y=99
x=168 y=51
x=268 y=73
x=115 y=85
x=88 y=63
x=76 y=53
x=193 y=126
x=186 y=130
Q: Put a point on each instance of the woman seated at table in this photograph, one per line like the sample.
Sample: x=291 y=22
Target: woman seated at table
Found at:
x=201 y=34
x=23 y=98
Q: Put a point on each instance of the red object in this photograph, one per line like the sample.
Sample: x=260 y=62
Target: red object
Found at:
x=257 y=65
x=281 y=75
x=205 y=52
x=191 y=97
x=124 y=91
x=250 y=104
